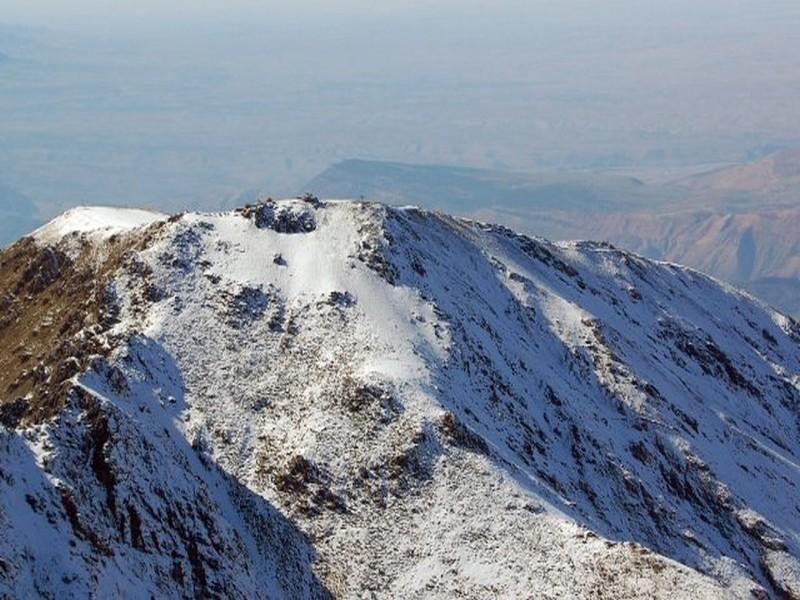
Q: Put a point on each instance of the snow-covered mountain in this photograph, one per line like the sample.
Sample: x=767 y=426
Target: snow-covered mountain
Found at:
x=339 y=399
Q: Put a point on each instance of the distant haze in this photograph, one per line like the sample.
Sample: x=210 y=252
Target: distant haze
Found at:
x=194 y=103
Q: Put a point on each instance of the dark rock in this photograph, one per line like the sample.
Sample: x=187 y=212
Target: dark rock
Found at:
x=281 y=218
x=452 y=429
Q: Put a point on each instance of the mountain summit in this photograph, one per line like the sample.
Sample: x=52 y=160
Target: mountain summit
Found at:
x=339 y=399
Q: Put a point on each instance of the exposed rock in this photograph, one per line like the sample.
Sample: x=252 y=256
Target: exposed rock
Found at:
x=283 y=218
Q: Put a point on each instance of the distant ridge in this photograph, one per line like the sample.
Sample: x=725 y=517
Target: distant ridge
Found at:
x=776 y=174
x=462 y=189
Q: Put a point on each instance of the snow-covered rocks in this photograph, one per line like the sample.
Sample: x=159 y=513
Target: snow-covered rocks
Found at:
x=402 y=405
x=285 y=217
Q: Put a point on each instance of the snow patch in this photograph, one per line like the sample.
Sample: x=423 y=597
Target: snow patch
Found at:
x=99 y=222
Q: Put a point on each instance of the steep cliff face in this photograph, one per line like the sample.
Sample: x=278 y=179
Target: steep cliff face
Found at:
x=305 y=398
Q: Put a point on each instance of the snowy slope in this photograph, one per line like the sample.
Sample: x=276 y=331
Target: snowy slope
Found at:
x=95 y=221
x=376 y=402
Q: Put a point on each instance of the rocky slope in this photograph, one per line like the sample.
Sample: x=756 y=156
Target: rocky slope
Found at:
x=315 y=399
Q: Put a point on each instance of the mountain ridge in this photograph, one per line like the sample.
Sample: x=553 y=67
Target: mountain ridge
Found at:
x=370 y=400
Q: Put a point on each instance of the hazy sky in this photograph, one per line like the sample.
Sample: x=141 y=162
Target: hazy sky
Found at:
x=181 y=101
x=740 y=14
